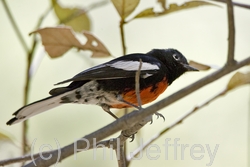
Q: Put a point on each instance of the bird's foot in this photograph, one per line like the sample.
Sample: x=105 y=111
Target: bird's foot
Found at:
x=158 y=115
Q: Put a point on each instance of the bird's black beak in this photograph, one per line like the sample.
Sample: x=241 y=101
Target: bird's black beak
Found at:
x=190 y=68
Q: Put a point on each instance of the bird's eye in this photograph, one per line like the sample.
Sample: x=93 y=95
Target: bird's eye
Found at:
x=176 y=57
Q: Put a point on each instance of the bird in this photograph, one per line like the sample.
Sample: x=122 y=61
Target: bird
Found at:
x=112 y=84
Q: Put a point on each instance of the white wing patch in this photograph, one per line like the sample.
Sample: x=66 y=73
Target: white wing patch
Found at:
x=133 y=65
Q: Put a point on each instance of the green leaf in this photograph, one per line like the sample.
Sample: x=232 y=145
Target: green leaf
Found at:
x=147 y=13
x=73 y=17
x=125 y=7
x=172 y=8
x=238 y=79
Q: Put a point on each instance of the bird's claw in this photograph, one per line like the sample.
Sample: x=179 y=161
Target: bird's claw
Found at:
x=132 y=137
x=159 y=115
x=151 y=121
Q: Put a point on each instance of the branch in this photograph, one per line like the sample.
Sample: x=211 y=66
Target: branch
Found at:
x=132 y=118
x=16 y=160
x=129 y=120
x=231 y=35
x=112 y=143
x=235 y=4
x=174 y=124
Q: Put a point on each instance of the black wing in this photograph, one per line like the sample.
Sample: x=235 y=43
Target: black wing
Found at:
x=122 y=67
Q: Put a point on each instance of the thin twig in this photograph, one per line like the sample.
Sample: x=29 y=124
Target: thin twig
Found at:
x=125 y=146
x=30 y=56
x=121 y=158
x=248 y=133
x=14 y=25
x=25 y=99
x=137 y=85
x=23 y=43
x=131 y=131
x=231 y=33
x=96 y=5
x=43 y=16
x=124 y=49
x=235 y=4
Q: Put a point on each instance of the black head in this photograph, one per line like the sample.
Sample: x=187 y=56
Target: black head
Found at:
x=176 y=64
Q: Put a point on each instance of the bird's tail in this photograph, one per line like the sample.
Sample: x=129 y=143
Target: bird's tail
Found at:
x=36 y=108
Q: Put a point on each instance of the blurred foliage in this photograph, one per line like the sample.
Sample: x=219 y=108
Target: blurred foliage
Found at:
x=74 y=17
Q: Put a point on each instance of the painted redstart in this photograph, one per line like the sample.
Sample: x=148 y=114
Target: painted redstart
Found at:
x=112 y=84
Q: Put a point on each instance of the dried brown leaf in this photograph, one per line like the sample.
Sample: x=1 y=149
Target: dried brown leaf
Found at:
x=58 y=40
x=125 y=7
x=199 y=66
x=238 y=79
x=73 y=17
x=95 y=45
